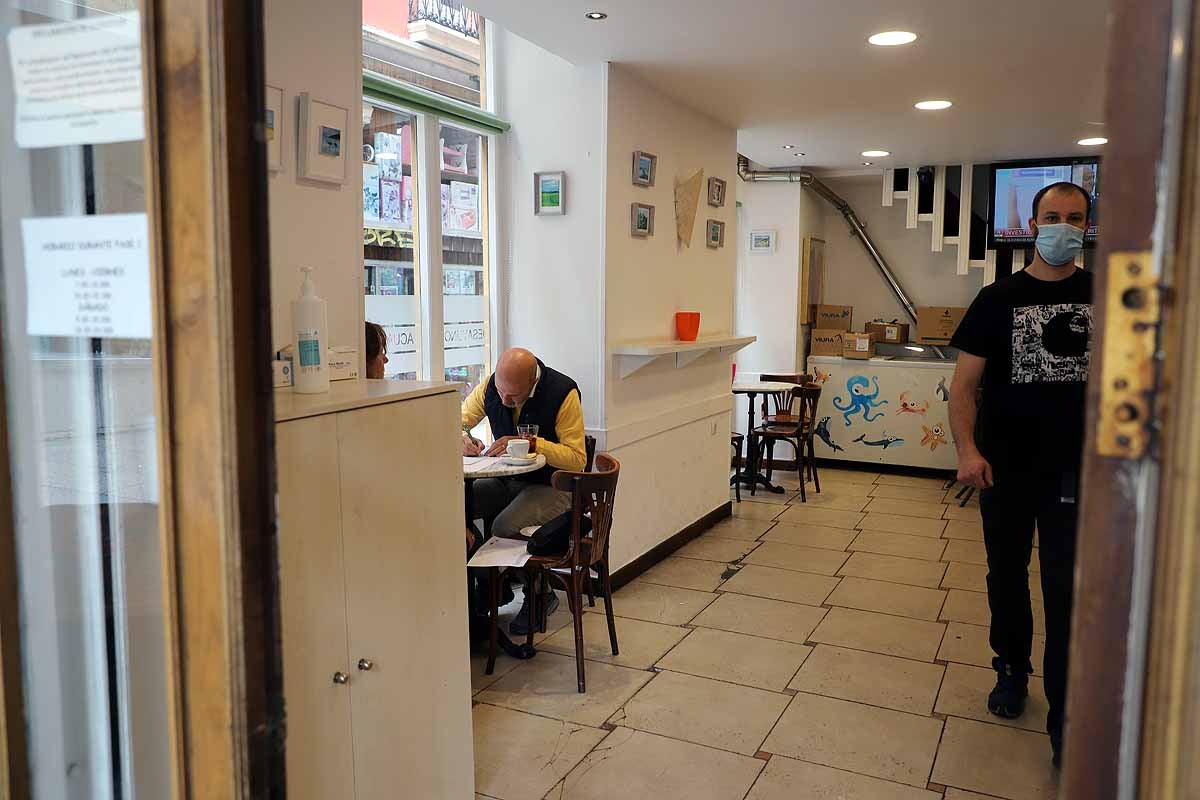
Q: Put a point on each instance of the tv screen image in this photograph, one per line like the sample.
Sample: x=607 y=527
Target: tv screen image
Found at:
x=1014 y=186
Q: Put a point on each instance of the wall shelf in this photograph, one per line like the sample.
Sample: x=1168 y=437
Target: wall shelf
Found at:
x=632 y=356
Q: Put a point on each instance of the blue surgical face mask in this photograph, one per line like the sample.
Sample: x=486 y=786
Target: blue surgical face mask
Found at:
x=1059 y=244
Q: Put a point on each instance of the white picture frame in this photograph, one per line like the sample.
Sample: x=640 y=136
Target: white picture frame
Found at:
x=762 y=242
x=274 y=128
x=549 y=193
x=323 y=141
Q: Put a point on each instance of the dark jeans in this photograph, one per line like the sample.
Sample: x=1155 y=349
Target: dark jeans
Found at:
x=1010 y=509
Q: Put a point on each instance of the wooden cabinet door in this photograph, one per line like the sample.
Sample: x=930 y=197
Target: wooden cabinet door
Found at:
x=402 y=518
x=320 y=760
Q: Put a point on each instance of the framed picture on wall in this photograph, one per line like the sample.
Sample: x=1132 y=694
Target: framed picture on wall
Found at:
x=323 y=141
x=641 y=222
x=644 y=167
x=273 y=128
x=716 y=192
x=549 y=193
x=762 y=242
x=812 y=277
x=715 y=233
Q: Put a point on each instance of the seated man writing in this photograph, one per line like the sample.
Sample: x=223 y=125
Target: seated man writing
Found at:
x=524 y=391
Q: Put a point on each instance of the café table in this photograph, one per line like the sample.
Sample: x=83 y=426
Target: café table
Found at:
x=497 y=468
x=752 y=389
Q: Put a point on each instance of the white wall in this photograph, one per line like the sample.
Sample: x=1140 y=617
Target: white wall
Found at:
x=316 y=47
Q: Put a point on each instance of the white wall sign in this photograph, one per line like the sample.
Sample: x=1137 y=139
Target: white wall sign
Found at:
x=78 y=82
x=88 y=276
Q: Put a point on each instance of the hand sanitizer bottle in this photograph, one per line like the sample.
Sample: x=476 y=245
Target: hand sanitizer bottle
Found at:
x=309 y=320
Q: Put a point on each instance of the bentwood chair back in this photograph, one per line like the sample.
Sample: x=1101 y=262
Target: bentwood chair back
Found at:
x=797 y=430
x=780 y=402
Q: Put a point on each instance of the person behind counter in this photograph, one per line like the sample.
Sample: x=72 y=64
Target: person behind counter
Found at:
x=376 y=350
x=1025 y=339
x=524 y=391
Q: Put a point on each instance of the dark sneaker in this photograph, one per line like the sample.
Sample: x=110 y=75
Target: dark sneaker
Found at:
x=1012 y=687
x=520 y=624
x=1056 y=747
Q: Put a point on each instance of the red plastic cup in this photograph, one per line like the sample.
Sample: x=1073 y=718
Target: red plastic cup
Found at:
x=687 y=325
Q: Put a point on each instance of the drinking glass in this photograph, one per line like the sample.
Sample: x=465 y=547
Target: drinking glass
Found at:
x=529 y=432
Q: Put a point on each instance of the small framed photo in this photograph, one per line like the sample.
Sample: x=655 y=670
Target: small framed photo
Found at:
x=641 y=221
x=322 y=149
x=549 y=193
x=716 y=192
x=762 y=242
x=644 y=167
x=273 y=128
x=715 y=233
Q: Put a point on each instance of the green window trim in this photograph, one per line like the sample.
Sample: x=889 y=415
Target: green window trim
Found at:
x=381 y=87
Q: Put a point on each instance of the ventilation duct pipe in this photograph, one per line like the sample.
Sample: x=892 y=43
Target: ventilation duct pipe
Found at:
x=857 y=228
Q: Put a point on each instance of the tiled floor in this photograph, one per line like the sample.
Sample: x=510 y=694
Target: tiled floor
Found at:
x=834 y=649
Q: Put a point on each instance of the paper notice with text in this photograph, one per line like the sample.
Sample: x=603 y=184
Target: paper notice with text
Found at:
x=78 y=82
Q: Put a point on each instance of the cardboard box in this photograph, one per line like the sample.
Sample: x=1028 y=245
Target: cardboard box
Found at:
x=937 y=324
x=343 y=363
x=833 y=317
x=826 y=342
x=890 y=332
x=858 y=345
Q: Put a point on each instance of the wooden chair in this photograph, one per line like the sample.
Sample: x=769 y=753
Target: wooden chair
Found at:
x=737 y=442
x=592 y=494
x=797 y=430
x=781 y=402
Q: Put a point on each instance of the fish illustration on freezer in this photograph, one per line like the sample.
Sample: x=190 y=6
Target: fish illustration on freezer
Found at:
x=942 y=391
x=887 y=441
x=819 y=377
x=822 y=432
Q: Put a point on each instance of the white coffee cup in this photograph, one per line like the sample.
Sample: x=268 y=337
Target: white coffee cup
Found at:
x=518 y=448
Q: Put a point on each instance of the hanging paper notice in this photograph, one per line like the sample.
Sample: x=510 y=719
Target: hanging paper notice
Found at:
x=78 y=82
x=88 y=276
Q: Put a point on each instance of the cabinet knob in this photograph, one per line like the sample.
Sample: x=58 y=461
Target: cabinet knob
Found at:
x=365 y=664
x=341 y=678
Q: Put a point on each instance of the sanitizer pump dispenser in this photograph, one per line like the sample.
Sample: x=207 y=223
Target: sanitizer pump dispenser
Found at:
x=309 y=320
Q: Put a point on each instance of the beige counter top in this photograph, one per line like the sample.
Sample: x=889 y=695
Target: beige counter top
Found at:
x=346 y=395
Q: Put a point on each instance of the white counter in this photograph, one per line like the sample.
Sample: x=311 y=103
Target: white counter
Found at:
x=345 y=395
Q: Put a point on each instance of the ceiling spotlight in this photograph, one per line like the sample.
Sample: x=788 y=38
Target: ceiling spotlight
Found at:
x=596 y=16
x=799 y=154
x=893 y=38
x=875 y=154
x=933 y=105
x=1094 y=141
x=868 y=163
x=789 y=147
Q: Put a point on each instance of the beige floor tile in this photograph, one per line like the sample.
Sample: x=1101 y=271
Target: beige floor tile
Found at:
x=837 y=474
x=911 y=493
x=767 y=498
x=784 y=777
x=781 y=584
x=795 y=557
x=964 y=529
x=504 y=665
x=996 y=760
x=737 y=658
x=905 y=508
x=834 y=483
x=899 y=544
x=715 y=548
x=970 y=607
x=755 y=511
x=971 y=577
x=912 y=480
x=804 y=514
x=888 y=598
x=520 y=756
x=737 y=527
x=686 y=573
x=959 y=794
x=759 y=616
x=836 y=499
x=634 y=765
x=965 y=551
x=546 y=685
x=951 y=497
x=969 y=513
x=877 y=680
x=651 y=602
x=968 y=644
x=898 y=523
x=810 y=536
x=703 y=711
x=640 y=643
x=965 y=690
x=871 y=741
x=912 y=571
x=880 y=633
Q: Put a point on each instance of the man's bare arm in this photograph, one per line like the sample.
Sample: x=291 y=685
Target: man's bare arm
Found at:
x=973 y=469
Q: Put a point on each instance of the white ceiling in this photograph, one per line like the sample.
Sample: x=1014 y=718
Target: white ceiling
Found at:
x=1026 y=76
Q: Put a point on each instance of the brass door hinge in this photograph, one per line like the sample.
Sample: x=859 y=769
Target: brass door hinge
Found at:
x=1127 y=370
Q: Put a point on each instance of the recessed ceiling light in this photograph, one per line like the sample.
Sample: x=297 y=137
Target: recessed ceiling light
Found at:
x=933 y=105
x=893 y=38
x=1094 y=141
x=789 y=147
x=875 y=154
x=596 y=16
x=867 y=163
x=799 y=154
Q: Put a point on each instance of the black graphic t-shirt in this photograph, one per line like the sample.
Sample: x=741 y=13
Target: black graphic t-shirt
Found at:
x=1035 y=336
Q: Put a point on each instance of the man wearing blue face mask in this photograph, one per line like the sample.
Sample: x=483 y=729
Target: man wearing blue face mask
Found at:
x=1017 y=412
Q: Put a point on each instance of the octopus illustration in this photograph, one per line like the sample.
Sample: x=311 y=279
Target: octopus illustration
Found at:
x=933 y=436
x=911 y=406
x=819 y=377
x=858 y=399
x=942 y=391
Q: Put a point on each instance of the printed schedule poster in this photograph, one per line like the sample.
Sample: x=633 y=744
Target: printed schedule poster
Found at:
x=88 y=276
x=78 y=82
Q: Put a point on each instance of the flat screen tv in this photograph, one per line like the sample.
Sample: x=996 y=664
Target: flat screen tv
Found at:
x=1013 y=184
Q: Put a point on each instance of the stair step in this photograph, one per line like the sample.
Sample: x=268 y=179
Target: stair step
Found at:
x=924 y=217
x=901 y=195
x=950 y=240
